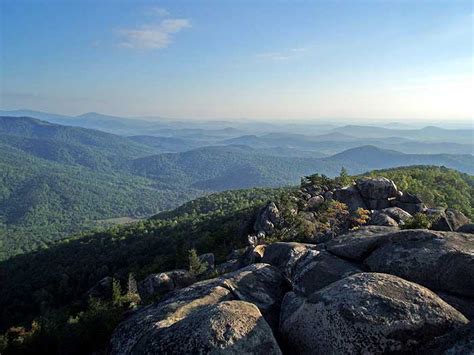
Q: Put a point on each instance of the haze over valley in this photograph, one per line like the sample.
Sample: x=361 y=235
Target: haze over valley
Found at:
x=236 y=177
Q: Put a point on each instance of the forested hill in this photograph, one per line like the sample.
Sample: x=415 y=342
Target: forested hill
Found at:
x=71 y=145
x=59 y=180
x=59 y=277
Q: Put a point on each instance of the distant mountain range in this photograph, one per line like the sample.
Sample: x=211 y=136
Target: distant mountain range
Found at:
x=56 y=180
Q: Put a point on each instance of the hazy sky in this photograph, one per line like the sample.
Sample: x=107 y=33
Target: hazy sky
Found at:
x=408 y=59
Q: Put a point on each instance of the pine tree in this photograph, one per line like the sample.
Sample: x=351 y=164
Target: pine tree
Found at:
x=196 y=266
x=344 y=177
x=116 y=293
x=132 y=295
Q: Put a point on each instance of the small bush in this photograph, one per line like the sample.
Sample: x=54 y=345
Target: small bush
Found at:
x=418 y=221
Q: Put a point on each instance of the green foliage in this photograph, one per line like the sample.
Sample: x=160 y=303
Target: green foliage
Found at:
x=116 y=293
x=360 y=217
x=196 y=266
x=419 y=220
x=344 y=179
x=319 y=180
x=331 y=216
x=217 y=223
x=84 y=332
x=436 y=186
x=42 y=202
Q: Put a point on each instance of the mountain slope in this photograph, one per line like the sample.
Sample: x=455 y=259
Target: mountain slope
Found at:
x=371 y=157
x=61 y=275
x=104 y=143
x=57 y=180
x=42 y=201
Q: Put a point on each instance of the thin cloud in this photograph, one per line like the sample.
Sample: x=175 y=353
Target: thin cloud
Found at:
x=299 y=49
x=153 y=36
x=158 y=11
x=273 y=56
x=292 y=53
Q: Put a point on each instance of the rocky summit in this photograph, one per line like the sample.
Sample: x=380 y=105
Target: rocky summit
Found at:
x=370 y=289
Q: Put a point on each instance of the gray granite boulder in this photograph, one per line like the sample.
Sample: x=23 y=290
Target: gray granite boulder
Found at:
x=449 y=220
x=459 y=341
x=381 y=219
x=366 y=313
x=398 y=214
x=268 y=218
x=377 y=188
x=315 y=202
x=229 y=327
x=467 y=228
x=260 y=284
x=159 y=284
x=317 y=269
x=438 y=260
x=351 y=197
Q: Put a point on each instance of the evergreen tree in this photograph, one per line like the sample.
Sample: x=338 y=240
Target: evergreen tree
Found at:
x=196 y=266
x=344 y=178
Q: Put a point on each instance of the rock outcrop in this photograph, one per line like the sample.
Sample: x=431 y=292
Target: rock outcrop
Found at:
x=268 y=218
x=457 y=342
x=449 y=220
x=260 y=284
x=367 y=313
x=102 y=289
x=229 y=327
x=351 y=197
x=159 y=284
x=439 y=260
x=317 y=269
x=375 y=289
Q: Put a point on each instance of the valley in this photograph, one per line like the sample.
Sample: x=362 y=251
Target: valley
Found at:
x=56 y=179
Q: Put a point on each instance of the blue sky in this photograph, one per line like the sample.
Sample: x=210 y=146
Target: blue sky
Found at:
x=274 y=60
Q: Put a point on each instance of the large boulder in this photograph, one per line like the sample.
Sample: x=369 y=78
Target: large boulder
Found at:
x=439 y=260
x=351 y=197
x=377 y=188
x=408 y=202
x=317 y=269
x=357 y=244
x=315 y=202
x=442 y=261
x=407 y=197
x=467 y=228
x=449 y=220
x=412 y=208
x=397 y=214
x=284 y=256
x=462 y=304
x=230 y=327
x=268 y=218
x=174 y=307
x=260 y=284
x=366 y=313
x=459 y=341
x=378 y=204
x=159 y=284
x=382 y=219
x=102 y=289
x=228 y=266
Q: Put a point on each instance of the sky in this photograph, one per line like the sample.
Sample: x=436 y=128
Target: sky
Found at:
x=275 y=60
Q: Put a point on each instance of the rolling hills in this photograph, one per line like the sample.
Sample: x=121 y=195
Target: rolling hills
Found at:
x=59 y=180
